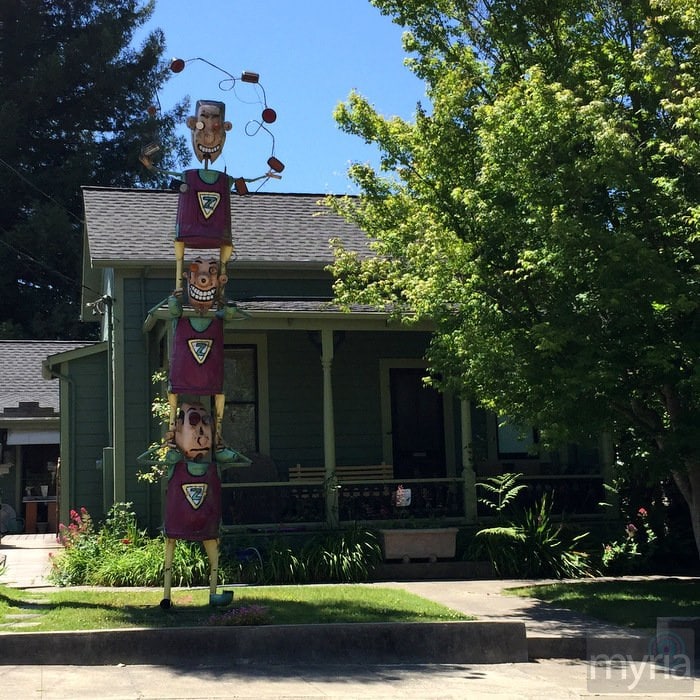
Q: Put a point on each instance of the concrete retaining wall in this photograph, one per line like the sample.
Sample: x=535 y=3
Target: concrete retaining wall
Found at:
x=361 y=643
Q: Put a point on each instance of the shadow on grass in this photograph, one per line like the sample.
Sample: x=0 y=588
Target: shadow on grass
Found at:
x=110 y=609
x=631 y=603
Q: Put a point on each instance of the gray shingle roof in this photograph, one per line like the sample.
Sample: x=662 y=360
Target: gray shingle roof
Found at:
x=21 y=379
x=133 y=226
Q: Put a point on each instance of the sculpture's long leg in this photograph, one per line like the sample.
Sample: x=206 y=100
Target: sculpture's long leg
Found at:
x=166 y=604
x=212 y=549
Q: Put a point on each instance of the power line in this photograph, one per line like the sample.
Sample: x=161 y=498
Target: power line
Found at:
x=39 y=190
x=43 y=265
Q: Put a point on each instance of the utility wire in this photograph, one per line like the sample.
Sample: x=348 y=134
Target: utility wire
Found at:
x=39 y=190
x=43 y=265
x=28 y=256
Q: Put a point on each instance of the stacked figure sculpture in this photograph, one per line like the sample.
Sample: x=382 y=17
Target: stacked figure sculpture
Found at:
x=193 y=496
x=194 y=452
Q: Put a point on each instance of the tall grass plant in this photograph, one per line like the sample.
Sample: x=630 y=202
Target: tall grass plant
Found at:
x=119 y=553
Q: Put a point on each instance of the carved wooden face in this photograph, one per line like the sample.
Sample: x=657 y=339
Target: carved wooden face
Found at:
x=203 y=283
x=208 y=130
x=193 y=432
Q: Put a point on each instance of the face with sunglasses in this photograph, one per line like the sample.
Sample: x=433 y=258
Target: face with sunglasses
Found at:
x=193 y=432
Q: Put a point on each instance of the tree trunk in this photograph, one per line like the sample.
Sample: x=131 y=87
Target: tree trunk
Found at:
x=688 y=483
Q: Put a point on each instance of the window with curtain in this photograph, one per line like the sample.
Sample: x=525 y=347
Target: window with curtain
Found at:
x=240 y=426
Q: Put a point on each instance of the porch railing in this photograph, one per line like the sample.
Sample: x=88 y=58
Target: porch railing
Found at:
x=305 y=501
x=302 y=502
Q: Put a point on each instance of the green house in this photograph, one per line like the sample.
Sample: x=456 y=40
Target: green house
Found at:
x=330 y=405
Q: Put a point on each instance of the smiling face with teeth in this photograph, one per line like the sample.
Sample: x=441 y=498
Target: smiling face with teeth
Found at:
x=208 y=130
x=203 y=283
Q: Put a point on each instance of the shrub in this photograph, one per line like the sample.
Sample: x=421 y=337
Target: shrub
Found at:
x=284 y=566
x=501 y=492
x=72 y=567
x=121 y=554
x=527 y=543
x=344 y=556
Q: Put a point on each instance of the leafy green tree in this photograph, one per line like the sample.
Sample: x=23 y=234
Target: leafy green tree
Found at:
x=544 y=210
x=73 y=111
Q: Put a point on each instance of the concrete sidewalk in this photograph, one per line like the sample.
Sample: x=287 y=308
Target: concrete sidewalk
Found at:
x=488 y=602
x=28 y=559
x=542 y=680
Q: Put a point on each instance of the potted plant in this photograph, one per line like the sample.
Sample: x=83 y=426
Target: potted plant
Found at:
x=431 y=543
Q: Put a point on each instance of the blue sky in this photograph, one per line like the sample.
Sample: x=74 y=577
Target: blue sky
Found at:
x=309 y=55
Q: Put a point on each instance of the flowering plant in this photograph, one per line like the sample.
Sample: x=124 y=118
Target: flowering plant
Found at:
x=629 y=555
x=242 y=615
x=79 y=527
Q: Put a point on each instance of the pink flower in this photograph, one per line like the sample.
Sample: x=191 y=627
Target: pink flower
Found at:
x=642 y=513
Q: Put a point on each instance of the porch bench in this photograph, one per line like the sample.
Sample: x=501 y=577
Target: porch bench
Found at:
x=360 y=473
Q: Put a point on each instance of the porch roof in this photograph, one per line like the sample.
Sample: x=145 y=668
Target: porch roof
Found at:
x=303 y=315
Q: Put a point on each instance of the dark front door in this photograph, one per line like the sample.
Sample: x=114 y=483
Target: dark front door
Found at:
x=418 y=433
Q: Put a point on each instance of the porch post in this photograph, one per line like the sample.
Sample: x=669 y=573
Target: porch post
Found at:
x=331 y=493
x=468 y=473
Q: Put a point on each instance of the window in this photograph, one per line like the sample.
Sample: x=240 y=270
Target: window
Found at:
x=515 y=440
x=241 y=415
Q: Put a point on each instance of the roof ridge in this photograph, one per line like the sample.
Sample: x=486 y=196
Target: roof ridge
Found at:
x=148 y=190
x=45 y=341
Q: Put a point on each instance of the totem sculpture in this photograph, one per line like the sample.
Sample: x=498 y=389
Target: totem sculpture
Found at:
x=194 y=450
x=193 y=496
x=204 y=204
x=197 y=352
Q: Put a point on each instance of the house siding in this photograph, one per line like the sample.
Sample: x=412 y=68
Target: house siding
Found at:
x=357 y=390
x=141 y=360
x=81 y=459
x=296 y=394
x=296 y=400
x=241 y=288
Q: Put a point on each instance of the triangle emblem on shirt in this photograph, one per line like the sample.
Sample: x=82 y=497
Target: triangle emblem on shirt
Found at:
x=208 y=201
x=195 y=494
x=200 y=348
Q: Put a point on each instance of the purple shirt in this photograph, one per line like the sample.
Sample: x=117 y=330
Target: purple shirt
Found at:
x=197 y=359
x=204 y=210
x=193 y=503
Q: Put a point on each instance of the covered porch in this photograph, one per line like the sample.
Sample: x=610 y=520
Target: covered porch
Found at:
x=332 y=409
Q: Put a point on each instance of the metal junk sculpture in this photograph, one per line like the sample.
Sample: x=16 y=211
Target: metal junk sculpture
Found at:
x=194 y=451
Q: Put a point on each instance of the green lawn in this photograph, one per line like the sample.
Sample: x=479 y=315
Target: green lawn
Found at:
x=627 y=603
x=79 y=609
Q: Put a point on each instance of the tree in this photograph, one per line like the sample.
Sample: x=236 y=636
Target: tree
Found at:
x=73 y=101
x=545 y=212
